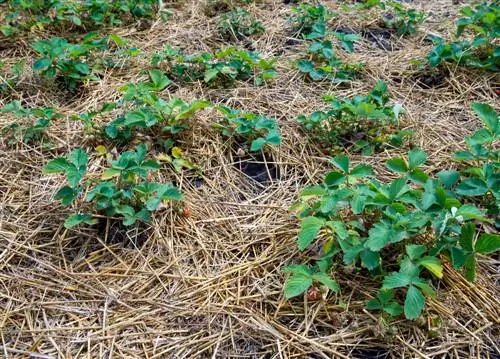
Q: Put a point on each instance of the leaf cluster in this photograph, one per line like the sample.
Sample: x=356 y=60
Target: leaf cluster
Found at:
x=238 y=24
x=308 y=19
x=220 y=68
x=123 y=191
x=478 y=49
x=322 y=63
x=367 y=122
x=73 y=63
x=411 y=222
x=259 y=130
x=24 y=15
x=32 y=129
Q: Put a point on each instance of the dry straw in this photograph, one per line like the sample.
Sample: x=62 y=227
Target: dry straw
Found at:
x=209 y=286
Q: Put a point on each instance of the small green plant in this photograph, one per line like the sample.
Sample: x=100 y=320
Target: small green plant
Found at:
x=367 y=122
x=24 y=15
x=481 y=52
x=408 y=222
x=31 y=130
x=72 y=63
x=398 y=17
x=142 y=109
x=10 y=78
x=223 y=67
x=324 y=64
x=258 y=129
x=150 y=111
x=238 y=24
x=405 y=21
x=123 y=191
x=481 y=178
x=309 y=19
x=414 y=221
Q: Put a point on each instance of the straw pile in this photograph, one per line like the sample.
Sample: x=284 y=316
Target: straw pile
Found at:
x=209 y=286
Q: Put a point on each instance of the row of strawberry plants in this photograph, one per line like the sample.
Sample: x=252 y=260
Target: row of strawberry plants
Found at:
x=24 y=15
x=414 y=222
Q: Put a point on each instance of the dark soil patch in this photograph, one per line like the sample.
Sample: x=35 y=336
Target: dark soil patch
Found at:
x=430 y=78
x=217 y=7
x=380 y=37
x=133 y=236
x=259 y=167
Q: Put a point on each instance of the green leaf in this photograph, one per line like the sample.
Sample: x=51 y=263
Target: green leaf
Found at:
x=487 y=115
x=378 y=237
x=448 y=178
x=309 y=229
x=397 y=188
x=370 y=259
x=305 y=66
x=397 y=165
x=470 y=267
x=464 y=156
x=414 y=303
x=57 y=165
x=211 y=74
x=472 y=187
x=297 y=284
x=396 y=280
x=42 y=64
x=313 y=191
x=78 y=218
x=79 y=158
x=297 y=268
x=457 y=257
x=66 y=194
x=466 y=238
x=159 y=80
x=418 y=176
x=342 y=162
x=433 y=265
x=325 y=279
x=362 y=171
x=415 y=251
x=469 y=211
x=488 y=243
x=393 y=309
x=257 y=144
x=110 y=173
x=334 y=179
x=373 y=304
x=416 y=158
x=82 y=68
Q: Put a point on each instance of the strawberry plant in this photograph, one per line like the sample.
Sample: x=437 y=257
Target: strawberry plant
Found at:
x=31 y=130
x=307 y=19
x=367 y=122
x=23 y=15
x=409 y=222
x=481 y=51
x=405 y=21
x=258 y=129
x=223 y=67
x=145 y=109
x=72 y=63
x=141 y=108
x=481 y=178
x=324 y=64
x=10 y=78
x=123 y=190
x=238 y=24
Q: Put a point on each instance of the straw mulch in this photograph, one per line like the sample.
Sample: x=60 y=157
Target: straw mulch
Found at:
x=209 y=286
